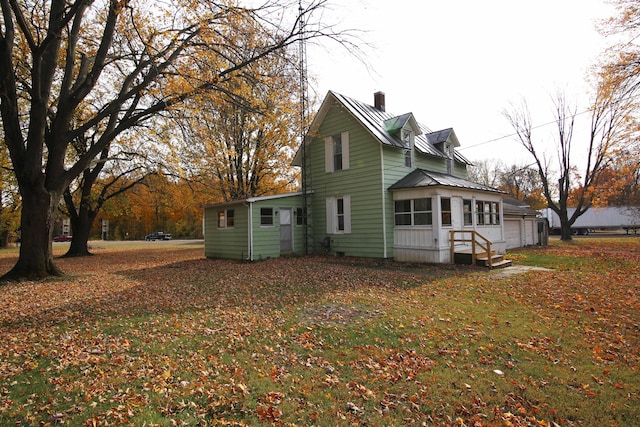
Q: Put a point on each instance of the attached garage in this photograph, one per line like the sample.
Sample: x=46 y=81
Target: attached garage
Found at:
x=513 y=232
x=520 y=224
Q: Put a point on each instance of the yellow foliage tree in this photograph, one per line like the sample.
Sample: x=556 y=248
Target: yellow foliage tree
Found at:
x=99 y=68
x=242 y=138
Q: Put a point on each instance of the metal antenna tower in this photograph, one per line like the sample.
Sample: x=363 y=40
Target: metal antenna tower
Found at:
x=306 y=173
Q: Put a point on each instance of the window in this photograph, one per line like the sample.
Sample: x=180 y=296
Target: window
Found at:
x=225 y=218
x=266 y=217
x=413 y=212
x=451 y=154
x=422 y=212
x=336 y=152
x=466 y=212
x=445 y=210
x=338 y=215
x=407 y=139
x=495 y=213
x=480 y=219
x=301 y=218
x=403 y=212
x=479 y=215
x=487 y=213
x=408 y=158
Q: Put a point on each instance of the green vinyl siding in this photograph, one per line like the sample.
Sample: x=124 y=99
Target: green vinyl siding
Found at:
x=361 y=181
x=394 y=170
x=431 y=163
x=255 y=242
x=266 y=238
x=460 y=170
x=226 y=242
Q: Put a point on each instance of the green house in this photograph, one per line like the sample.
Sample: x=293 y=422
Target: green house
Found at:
x=375 y=184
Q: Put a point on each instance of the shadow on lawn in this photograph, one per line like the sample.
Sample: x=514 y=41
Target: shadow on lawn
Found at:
x=139 y=283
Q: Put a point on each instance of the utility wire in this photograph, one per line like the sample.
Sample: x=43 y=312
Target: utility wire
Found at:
x=515 y=134
x=623 y=99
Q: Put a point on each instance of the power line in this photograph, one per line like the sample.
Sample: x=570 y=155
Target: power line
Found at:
x=620 y=100
x=515 y=134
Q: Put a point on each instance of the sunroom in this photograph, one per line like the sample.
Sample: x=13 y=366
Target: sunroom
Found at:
x=431 y=207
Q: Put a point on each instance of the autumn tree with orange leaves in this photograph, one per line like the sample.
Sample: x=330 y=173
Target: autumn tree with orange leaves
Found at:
x=242 y=140
x=159 y=203
x=100 y=68
x=620 y=75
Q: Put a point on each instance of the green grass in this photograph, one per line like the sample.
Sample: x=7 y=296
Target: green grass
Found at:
x=168 y=338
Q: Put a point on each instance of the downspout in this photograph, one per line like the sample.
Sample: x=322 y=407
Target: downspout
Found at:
x=502 y=222
x=250 y=232
x=384 y=207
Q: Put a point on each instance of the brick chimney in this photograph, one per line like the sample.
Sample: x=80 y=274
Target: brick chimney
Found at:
x=378 y=100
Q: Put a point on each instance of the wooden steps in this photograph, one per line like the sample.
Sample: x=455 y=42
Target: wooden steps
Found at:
x=463 y=243
x=483 y=259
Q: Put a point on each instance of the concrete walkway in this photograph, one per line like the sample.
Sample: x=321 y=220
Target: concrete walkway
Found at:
x=516 y=269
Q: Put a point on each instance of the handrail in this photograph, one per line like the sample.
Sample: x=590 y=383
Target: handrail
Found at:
x=474 y=240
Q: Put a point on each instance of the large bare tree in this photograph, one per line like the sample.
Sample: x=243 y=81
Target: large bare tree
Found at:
x=565 y=179
x=72 y=68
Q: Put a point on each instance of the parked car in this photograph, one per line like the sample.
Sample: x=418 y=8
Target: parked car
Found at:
x=62 y=238
x=157 y=235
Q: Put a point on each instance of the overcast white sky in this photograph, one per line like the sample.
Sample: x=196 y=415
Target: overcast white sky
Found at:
x=460 y=63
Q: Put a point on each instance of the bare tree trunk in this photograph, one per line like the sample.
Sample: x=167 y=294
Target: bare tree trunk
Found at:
x=565 y=229
x=81 y=224
x=36 y=253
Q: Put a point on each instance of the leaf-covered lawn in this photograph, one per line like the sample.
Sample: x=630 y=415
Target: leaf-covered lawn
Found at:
x=158 y=335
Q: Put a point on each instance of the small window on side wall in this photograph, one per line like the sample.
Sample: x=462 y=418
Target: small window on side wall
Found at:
x=266 y=217
x=337 y=152
x=226 y=218
x=301 y=218
x=338 y=211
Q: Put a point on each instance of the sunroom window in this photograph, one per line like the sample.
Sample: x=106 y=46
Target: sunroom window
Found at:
x=413 y=212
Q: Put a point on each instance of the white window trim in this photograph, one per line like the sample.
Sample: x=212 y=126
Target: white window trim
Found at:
x=332 y=214
x=329 y=152
x=488 y=212
x=273 y=217
x=413 y=212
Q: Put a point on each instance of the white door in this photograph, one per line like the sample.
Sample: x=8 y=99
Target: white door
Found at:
x=456 y=213
x=286 y=241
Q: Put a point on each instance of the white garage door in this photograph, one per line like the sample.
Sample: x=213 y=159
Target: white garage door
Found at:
x=512 y=233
